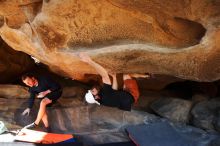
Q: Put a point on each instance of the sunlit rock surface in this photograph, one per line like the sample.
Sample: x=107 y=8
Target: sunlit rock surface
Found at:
x=174 y=40
x=177 y=38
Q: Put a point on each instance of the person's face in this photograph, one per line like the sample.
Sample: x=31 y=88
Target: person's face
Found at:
x=94 y=91
x=30 y=81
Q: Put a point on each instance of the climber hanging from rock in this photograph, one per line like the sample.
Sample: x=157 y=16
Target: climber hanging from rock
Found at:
x=108 y=94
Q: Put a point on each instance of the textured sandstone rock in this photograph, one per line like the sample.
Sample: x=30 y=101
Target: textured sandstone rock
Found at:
x=99 y=124
x=177 y=38
x=13 y=91
x=156 y=82
x=91 y=123
x=94 y=124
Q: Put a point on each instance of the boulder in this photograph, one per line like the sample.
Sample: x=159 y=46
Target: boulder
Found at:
x=93 y=124
x=174 y=109
x=206 y=114
x=13 y=91
x=199 y=98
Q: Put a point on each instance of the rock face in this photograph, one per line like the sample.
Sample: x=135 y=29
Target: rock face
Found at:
x=177 y=110
x=12 y=63
x=199 y=98
x=206 y=114
x=13 y=91
x=92 y=124
x=156 y=82
x=178 y=38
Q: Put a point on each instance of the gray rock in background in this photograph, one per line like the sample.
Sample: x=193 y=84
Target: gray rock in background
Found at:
x=96 y=124
x=199 y=98
x=172 y=108
x=205 y=114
